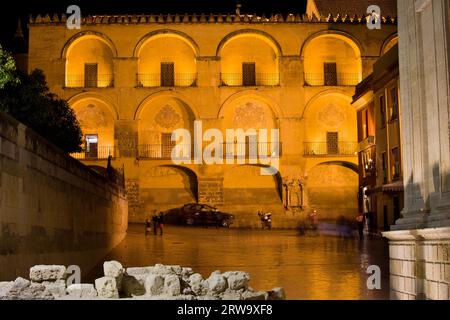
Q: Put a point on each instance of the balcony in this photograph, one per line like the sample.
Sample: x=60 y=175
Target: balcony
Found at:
x=366 y=143
x=154 y=80
x=99 y=153
x=324 y=149
x=332 y=79
x=259 y=79
x=240 y=151
x=80 y=81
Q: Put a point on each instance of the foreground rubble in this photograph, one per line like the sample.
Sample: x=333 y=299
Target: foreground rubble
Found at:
x=158 y=282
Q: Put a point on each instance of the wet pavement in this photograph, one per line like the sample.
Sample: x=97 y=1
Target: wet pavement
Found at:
x=308 y=267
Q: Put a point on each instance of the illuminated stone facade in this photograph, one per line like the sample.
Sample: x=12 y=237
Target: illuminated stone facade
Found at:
x=132 y=80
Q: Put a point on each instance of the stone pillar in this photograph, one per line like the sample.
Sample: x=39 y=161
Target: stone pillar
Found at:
x=126 y=136
x=420 y=240
x=210 y=191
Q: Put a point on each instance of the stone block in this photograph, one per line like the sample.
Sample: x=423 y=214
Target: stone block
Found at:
x=114 y=269
x=82 y=290
x=260 y=295
x=443 y=291
x=5 y=287
x=237 y=279
x=107 y=287
x=216 y=283
x=172 y=285
x=56 y=288
x=41 y=273
x=131 y=286
x=154 y=284
x=197 y=284
x=277 y=294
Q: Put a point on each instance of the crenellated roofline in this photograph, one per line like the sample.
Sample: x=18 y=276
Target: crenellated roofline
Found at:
x=207 y=19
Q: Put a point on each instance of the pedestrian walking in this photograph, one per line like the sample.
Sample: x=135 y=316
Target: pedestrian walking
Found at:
x=155 y=223
x=147 y=227
x=161 y=223
x=360 y=223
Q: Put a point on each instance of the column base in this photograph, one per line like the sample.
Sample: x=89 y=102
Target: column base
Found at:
x=419 y=263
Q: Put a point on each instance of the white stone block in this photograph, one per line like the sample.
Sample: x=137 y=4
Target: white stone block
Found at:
x=107 y=287
x=41 y=273
x=154 y=284
x=172 y=285
x=81 y=290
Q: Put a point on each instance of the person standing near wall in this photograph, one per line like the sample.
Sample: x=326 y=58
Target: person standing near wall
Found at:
x=360 y=222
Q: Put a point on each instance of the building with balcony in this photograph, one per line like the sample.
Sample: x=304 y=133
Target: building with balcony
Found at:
x=380 y=163
x=133 y=79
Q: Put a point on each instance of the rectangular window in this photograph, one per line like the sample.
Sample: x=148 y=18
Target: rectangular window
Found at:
x=248 y=74
x=382 y=111
x=393 y=104
x=384 y=167
x=91 y=143
x=332 y=143
x=330 y=73
x=395 y=163
x=90 y=75
x=167 y=145
x=167 y=74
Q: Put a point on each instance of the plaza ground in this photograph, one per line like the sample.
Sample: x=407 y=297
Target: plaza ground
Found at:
x=308 y=267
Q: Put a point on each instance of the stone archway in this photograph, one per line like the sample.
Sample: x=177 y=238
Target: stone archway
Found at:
x=332 y=189
x=164 y=187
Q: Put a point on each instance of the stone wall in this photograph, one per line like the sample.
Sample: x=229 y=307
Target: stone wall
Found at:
x=424 y=228
x=53 y=209
x=420 y=264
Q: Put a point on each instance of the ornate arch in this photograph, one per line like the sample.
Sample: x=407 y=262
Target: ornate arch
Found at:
x=347 y=37
x=341 y=93
x=89 y=34
x=268 y=38
x=98 y=97
x=276 y=109
x=169 y=94
x=164 y=33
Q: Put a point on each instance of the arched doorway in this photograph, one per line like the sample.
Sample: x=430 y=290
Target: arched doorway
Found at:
x=165 y=187
x=332 y=189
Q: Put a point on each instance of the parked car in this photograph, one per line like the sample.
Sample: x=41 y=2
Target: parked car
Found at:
x=197 y=214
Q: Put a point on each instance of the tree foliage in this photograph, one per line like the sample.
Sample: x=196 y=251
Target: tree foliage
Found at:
x=27 y=98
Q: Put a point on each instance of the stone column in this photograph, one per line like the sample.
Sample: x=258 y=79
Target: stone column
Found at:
x=420 y=240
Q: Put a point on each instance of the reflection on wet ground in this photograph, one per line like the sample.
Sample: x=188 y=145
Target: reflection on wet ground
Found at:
x=308 y=267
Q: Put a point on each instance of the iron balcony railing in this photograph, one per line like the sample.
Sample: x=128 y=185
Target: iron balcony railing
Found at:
x=96 y=153
x=259 y=79
x=80 y=81
x=325 y=149
x=230 y=150
x=153 y=80
x=332 y=79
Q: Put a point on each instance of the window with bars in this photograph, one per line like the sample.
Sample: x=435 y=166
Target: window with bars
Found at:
x=91 y=143
x=167 y=74
x=248 y=74
x=90 y=75
x=330 y=74
x=167 y=145
x=332 y=143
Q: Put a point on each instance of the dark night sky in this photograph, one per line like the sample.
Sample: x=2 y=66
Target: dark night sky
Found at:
x=23 y=9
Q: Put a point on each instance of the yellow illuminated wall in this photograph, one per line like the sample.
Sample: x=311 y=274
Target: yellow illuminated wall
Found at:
x=332 y=49
x=89 y=49
x=166 y=48
x=95 y=117
x=249 y=48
